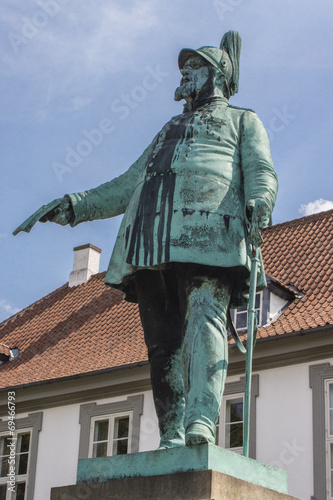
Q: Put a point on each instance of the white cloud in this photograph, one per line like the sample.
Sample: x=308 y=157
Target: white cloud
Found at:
x=8 y=308
x=316 y=206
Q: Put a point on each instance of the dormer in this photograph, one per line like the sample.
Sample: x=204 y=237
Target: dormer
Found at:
x=269 y=304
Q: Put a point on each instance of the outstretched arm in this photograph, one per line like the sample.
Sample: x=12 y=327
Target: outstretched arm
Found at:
x=107 y=200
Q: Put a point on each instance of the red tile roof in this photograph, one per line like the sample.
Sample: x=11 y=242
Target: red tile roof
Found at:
x=299 y=253
x=89 y=327
x=72 y=331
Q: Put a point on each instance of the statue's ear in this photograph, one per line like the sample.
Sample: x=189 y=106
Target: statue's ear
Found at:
x=219 y=78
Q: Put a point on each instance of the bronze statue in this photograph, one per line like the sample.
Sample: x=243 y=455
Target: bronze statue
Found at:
x=183 y=250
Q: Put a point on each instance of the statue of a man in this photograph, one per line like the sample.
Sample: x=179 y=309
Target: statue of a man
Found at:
x=182 y=251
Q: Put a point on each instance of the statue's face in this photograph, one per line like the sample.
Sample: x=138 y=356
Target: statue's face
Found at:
x=197 y=79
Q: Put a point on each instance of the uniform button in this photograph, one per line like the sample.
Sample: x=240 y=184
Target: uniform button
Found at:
x=184 y=158
x=151 y=164
x=188 y=149
x=192 y=141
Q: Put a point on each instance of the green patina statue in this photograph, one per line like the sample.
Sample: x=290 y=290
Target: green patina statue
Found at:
x=183 y=250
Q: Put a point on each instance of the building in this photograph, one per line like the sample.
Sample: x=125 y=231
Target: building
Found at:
x=80 y=384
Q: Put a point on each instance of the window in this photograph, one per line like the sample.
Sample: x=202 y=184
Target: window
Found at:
x=21 y=450
x=110 y=436
x=230 y=427
x=240 y=317
x=233 y=424
x=110 y=429
x=20 y=444
x=229 y=430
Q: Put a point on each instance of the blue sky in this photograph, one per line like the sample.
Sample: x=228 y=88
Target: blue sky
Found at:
x=85 y=86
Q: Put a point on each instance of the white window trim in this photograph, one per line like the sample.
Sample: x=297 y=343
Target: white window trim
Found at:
x=236 y=390
x=223 y=423
x=260 y=309
x=111 y=418
x=22 y=477
x=133 y=404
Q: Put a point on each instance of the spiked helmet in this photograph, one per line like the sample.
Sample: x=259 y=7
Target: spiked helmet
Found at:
x=225 y=59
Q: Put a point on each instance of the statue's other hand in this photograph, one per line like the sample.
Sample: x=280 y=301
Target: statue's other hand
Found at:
x=258 y=212
x=258 y=215
x=62 y=215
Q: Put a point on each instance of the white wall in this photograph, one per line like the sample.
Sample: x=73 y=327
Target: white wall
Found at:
x=149 y=433
x=275 y=306
x=57 y=450
x=284 y=425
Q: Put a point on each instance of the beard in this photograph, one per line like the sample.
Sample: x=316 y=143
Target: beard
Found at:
x=185 y=90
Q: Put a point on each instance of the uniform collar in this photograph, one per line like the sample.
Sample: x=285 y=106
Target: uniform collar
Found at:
x=203 y=103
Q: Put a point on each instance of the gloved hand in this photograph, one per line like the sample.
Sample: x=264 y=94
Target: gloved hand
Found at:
x=62 y=215
x=258 y=215
x=258 y=211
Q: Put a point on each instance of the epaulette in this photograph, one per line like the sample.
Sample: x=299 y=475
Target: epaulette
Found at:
x=243 y=109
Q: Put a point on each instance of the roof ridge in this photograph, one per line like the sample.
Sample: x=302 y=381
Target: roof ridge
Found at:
x=19 y=313
x=38 y=301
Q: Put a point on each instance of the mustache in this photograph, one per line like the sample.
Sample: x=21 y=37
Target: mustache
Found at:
x=186 y=89
x=185 y=80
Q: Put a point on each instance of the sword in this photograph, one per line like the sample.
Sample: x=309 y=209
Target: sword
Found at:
x=255 y=242
x=28 y=224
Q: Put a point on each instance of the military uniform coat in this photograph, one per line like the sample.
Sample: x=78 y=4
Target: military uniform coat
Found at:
x=184 y=199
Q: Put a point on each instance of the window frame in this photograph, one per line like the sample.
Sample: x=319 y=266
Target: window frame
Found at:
x=318 y=375
x=329 y=439
x=236 y=390
x=19 y=478
x=225 y=401
x=33 y=424
x=90 y=412
x=263 y=310
x=110 y=441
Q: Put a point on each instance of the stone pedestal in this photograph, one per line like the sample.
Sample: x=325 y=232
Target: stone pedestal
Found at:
x=203 y=472
x=193 y=485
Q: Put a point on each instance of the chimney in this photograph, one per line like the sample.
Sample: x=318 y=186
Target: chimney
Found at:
x=86 y=263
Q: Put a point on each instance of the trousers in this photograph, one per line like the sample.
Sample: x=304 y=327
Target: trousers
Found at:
x=183 y=314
